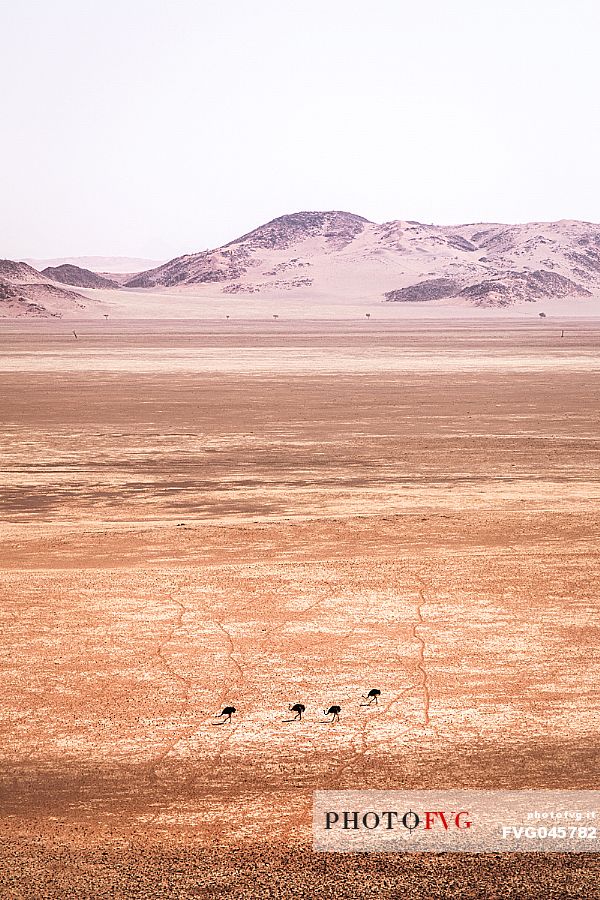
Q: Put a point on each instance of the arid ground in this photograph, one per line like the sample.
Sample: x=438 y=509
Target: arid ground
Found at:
x=202 y=514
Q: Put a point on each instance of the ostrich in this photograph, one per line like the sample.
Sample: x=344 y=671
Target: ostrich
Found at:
x=333 y=711
x=373 y=695
x=227 y=712
x=368 y=315
x=297 y=708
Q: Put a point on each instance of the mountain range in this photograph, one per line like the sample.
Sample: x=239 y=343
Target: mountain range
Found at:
x=340 y=254
x=26 y=292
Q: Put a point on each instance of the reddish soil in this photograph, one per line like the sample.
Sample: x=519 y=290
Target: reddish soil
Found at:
x=266 y=514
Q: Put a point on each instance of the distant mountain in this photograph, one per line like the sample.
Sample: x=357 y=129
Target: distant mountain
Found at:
x=342 y=254
x=78 y=277
x=313 y=231
x=26 y=292
x=114 y=265
x=338 y=259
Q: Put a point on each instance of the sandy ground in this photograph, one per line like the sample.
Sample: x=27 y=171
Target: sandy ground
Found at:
x=347 y=296
x=277 y=512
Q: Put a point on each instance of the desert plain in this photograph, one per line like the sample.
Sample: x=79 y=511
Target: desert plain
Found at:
x=259 y=513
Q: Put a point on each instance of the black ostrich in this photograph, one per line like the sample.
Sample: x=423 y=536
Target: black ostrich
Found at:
x=227 y=713
x=373 y=695
x=297 y=708
x=333 y=711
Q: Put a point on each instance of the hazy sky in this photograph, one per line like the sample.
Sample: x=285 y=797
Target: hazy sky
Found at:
x=159 y=127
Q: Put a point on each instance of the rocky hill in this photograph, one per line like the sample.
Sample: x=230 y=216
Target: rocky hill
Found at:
x=339 y=253
x=19 y=273
x=115 y=265
x=314 y=232
x=78 y=277
x=26 y=292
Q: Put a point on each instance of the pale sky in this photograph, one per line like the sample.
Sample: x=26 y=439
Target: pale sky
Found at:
x=160 y=127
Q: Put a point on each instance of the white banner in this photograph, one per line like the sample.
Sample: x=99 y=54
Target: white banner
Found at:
x=457 y=821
